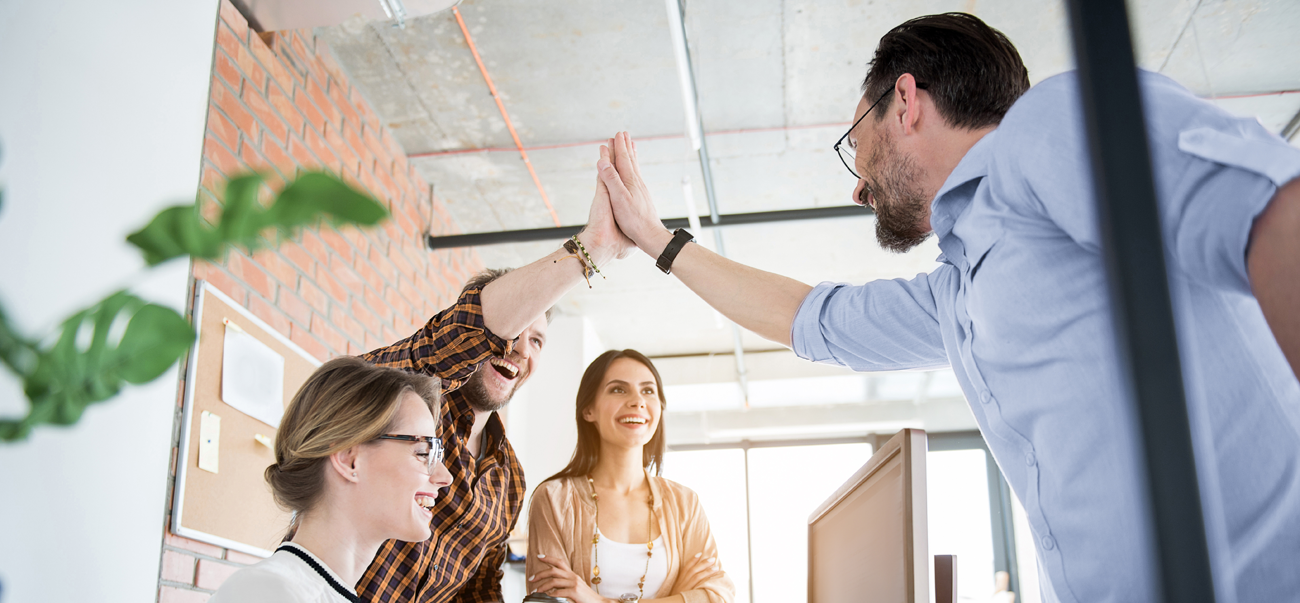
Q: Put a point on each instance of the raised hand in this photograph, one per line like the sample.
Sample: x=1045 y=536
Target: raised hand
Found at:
x=602 y=236
x=634 y=209
x=559 y=581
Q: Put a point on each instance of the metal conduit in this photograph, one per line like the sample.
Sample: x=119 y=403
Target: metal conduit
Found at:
x=1144 y=323
x=564 y=232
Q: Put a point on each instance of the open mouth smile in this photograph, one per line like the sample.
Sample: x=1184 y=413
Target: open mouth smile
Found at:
x=508 y=370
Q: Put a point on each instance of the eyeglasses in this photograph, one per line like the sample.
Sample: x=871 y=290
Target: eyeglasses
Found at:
x=846 y=152
x=430 y=457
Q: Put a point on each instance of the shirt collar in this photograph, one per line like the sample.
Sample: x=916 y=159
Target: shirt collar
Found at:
x=461 y=414
x=955 y=196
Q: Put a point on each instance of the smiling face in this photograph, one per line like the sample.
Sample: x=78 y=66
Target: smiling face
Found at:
x=496 y=380
x=627 y=407
x=891 y=182
x=397 y=488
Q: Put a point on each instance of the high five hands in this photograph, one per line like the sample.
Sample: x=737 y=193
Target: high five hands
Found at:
x=622 y=215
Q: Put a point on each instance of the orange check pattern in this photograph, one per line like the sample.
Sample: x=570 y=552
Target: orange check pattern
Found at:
x=462 y=562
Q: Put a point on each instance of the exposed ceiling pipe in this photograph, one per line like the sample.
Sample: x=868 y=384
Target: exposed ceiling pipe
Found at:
x=1292 y=127
x=564 y=232
x=510 y=126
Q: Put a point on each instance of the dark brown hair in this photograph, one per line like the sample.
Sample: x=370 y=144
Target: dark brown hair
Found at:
x=345 y=403
x=587 y=454
x=973 y=72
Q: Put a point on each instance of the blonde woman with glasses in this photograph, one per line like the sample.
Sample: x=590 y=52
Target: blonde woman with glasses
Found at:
x=358 y=461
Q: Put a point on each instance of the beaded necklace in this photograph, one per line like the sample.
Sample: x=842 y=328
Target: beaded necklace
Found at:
x=595 y=541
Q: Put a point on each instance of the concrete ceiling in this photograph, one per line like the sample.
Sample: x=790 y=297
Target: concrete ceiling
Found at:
x=777 y=84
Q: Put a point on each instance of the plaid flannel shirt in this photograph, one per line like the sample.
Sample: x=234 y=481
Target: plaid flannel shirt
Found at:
x=462 y=562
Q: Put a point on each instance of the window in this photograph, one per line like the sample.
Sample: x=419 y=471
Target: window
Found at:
x=758 y=497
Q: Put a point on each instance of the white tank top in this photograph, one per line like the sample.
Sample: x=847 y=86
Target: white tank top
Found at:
x=621 y=566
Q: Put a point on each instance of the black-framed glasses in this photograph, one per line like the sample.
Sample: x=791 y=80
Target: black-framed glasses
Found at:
x=430 y=457
x=846 y=152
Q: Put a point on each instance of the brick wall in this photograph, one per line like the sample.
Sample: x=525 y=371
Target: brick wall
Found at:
x=281 y=103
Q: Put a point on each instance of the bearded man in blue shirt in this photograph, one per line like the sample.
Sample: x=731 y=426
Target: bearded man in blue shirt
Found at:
x=948 y=142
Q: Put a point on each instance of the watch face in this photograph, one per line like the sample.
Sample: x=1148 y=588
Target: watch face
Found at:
x=629 y=597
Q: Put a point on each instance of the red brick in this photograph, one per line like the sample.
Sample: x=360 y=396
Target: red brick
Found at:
x=220 y=126
x=347 y=276
x=248 y=271
x=256 y=161
x=402 y=312
x=393 y=231
x=336 y=242
x=221 y=158
x=284 y=105
x=309 y=344
x=370 y=275
x=335 y=141
x=209 y=207
x=227 y=99
x=378 y=306
x=382 y=265
x=222 y=281
x=403 y=266
x=313 y=115
x=363 y=315
x=274 y=263
x=330 y=285
x=170 y=594
x=265 y=55
x=242 y=558
x=249 y=66
x=299 y=256
x=226 y=69
x=228 y=40
x=391 y=335
x=313 y=296
x=351 y=328
x=373 y=342
x=376 y=147
x=338 y=94
x=353 y=139
x=301 y=154
x=263 y=111
x=354 y=349
x=387 y=181
x=213 y=573
x=312 y=242
x=201 y=548
x=328 y=334
x=233 y=18
x=322 y=101
x=276 y=155
x=269 y=314
x=320 y=149
x=177 y=567
x=294 y=307
x=212 y=181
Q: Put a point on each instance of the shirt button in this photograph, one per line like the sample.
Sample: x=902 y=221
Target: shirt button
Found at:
x=1049 y=543
x=1030 y=459
x=986 y=397
x=435 y=567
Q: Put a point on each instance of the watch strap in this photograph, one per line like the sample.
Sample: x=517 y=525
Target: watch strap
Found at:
x=680 y=238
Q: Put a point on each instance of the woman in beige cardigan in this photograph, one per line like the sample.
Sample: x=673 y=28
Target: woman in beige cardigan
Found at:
x=603 y=529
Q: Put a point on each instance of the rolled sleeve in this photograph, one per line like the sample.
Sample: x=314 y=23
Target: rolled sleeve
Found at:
x=880 y=326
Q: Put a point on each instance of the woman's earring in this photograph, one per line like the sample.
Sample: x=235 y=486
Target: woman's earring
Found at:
x=354 y=475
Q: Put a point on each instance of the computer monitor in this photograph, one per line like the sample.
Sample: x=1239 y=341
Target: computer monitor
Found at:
x=868 y=541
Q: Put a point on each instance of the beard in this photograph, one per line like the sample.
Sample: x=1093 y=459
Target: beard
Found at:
x=902 y=208
x=478 y=396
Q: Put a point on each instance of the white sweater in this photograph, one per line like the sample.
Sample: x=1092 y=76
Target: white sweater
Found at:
x=283 y=578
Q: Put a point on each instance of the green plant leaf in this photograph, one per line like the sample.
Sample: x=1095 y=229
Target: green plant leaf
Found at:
x=314 y=196
x=89 y=363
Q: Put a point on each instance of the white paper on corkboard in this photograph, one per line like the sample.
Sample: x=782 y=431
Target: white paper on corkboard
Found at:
x=252 y=376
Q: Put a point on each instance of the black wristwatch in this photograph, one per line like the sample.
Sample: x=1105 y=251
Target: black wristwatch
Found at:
x=680 y=238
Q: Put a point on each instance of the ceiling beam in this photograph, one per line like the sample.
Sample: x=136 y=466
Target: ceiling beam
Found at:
x=564 y=232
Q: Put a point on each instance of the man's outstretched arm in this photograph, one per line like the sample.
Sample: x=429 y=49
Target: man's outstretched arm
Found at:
x=1273 y=264
x=760 y=301
x=515 y=300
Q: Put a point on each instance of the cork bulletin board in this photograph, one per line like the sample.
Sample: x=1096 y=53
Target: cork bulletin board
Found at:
x=231 y=508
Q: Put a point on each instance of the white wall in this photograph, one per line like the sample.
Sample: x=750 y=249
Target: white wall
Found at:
x=102 y=110
x=539 y=420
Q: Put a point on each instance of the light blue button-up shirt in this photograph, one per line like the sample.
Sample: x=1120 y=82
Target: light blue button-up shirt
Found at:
x=1019 y=308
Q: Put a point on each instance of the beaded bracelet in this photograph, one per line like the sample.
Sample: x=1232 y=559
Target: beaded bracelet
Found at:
x=590 y=262
x=570 y=247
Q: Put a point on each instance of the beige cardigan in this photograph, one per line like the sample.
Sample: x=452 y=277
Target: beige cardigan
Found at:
x=561 y=516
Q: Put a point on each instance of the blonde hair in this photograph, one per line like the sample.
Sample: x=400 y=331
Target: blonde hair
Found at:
x=345 y=403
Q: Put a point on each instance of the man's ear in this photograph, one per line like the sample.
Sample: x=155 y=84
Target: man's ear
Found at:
x=907 y=106
x=344 y=462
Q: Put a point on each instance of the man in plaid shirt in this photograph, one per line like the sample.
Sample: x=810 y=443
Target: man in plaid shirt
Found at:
x=482 y=348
